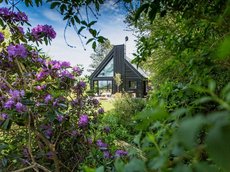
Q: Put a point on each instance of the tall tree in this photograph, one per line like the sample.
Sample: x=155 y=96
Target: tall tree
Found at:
x=100 y=53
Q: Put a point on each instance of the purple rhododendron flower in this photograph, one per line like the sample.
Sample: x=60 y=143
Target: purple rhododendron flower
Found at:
x=4 y=116
x=67 y=74
x=83 y=121
x=106 y=154
x=48 y=133
x=9 y=104
x=48 y=98
x=41 y=75
x=95 y=102
x=43 y=30
x=82 y=84
x=39 y=88
x=65 y=64
x=100 y=111
x=20 y=29
x=107 y=129
x=55 y=64
x=21 y=16
x=74 y=133
x=16 y=94
x=120 y=153
x=60 y=118
x=5 y=12
x=102 y=145
x=18 y=50
x=1 y=37
x=20 y=107
x=77 y=70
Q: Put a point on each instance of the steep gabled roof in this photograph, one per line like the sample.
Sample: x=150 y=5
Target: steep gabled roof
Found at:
x=118 y=55
x=136 y=69
x=103 y=64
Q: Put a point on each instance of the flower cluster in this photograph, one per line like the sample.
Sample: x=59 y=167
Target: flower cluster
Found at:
x=55 y=69
x=14 y=101
x=11 y=16
x=3 y=117
x=104 y=148
x=120 y=153
x=18 y=50
x=77 y=70
x=43 y=30
x=100 y=111
x=83 y=121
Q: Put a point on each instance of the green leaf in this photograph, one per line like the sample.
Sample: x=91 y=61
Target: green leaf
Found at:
x=218 y=140
x=93 y=32
x=100 y=169
x=94 y=45
x=224 y=50
x=148 y=116
x=90 y=40
x=77 y=19
x=202 y=166
x=92 y=23
x=157 y=162
x=54 y=4
x=7 y=124
x=135 y=165
x=84 y=23
x=212 y=85
x=38 y=2
x=141 y=9
x=119 y=165
x=137 y=139
x=182 y=168
x=81 y=28
x=188 y=130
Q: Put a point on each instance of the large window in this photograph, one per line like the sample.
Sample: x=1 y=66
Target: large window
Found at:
x=105 y=87
x=107 y=71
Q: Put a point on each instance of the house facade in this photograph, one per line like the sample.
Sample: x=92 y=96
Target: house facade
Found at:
x=134 y=81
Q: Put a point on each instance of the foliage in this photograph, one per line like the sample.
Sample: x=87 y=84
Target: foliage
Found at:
x=173 y=142
x=187 y=114
x=47 y=122
x=118 y=80
x=125 y=107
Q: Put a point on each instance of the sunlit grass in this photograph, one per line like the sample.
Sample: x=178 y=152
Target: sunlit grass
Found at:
x=107 y=105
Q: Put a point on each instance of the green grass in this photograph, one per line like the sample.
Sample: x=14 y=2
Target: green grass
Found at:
x=107 y=105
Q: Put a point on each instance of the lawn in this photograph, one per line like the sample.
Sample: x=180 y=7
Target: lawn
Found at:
x=107 y=105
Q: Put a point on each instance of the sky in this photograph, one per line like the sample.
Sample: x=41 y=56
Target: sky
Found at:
x=110 y=24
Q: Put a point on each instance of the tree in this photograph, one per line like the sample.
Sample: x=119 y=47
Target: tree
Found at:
x=118 y=80
x=100 y=53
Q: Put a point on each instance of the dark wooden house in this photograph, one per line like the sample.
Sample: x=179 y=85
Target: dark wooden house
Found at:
x=134 y=81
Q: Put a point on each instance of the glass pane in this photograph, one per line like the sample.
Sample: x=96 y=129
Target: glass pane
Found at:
x=105 y=87
x=132 y=84
x=108 y=70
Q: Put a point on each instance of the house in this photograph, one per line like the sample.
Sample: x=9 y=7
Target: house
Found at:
x=134 y=80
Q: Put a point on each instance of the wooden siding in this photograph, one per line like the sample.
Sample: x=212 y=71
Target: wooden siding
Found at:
x=122 y=66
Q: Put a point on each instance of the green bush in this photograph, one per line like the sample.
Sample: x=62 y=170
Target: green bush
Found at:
x=125 y=107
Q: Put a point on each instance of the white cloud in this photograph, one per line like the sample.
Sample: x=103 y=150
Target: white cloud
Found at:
x=52 y=15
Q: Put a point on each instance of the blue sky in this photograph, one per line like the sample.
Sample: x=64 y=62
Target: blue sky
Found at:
x=110 y=24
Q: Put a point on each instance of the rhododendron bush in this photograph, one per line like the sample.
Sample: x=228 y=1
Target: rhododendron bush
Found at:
x=46 y=120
